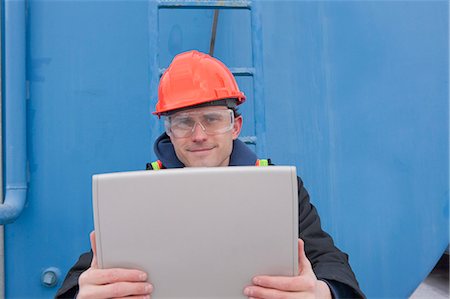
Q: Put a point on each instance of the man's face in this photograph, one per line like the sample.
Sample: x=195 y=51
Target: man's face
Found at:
x=201 y=148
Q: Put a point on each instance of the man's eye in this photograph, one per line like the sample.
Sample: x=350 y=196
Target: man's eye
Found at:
x=212 y=118
x=184 y=122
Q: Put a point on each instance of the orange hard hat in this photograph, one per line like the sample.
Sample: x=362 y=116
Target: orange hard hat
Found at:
x=194 y=78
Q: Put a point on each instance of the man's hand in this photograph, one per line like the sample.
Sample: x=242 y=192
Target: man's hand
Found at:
x=305 y=285
x=112 y=283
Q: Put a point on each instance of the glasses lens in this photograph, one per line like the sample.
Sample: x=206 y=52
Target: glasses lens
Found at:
x=216 y=122
x=212 y=122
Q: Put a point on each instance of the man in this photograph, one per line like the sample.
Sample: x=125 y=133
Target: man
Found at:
x=198 y=98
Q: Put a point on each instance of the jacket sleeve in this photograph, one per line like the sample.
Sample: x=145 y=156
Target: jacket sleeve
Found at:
x=328 y=262
x=69 y=288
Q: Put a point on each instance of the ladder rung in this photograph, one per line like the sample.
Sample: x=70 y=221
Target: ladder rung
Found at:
x=204 y=4
x=248 y=139
x=243 y=71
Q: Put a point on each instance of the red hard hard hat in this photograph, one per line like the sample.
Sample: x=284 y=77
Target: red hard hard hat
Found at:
x=195 y=78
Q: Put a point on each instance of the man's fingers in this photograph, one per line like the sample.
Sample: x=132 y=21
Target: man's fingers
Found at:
x=112 y=283
x=106 y=276
x=118 y=290
x=285 y=283
x=303 y=263
x=263 y=293
x=124 y=289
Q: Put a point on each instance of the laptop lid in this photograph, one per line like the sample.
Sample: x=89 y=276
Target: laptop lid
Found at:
x=198 y=232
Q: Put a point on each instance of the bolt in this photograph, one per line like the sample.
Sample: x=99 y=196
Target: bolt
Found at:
x=49 y=277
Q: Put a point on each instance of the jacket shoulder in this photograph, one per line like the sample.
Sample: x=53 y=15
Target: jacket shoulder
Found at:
x=69 y=288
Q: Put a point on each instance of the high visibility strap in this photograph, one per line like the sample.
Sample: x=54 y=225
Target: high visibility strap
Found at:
x=157 y=165
x=262 y=162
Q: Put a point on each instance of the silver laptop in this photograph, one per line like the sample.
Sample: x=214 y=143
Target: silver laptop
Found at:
x=199 y=232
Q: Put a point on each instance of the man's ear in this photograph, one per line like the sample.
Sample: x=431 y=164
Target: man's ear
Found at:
x=237 y=126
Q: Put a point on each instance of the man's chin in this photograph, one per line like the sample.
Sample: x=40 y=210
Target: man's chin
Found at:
x=202 y=159
x=202 y=164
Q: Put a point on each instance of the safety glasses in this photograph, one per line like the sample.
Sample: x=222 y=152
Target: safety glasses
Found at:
x=212 y=122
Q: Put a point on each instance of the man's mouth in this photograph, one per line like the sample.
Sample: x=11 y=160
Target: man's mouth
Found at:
x=199 y=150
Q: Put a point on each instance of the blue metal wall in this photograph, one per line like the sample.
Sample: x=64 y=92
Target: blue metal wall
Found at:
x=355 y=94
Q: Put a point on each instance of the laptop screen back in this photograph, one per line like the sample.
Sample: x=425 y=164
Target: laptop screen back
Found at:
x=198 y=232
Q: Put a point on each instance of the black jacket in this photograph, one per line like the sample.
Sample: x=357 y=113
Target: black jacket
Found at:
x=329 y=263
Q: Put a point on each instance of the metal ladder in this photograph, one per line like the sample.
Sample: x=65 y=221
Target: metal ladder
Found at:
x=256 y=71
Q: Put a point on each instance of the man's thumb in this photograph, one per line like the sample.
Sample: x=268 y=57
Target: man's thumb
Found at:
x=94 y=250
x=303 y=262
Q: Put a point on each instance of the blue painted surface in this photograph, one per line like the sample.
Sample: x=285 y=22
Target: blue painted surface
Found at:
x=368 y=128
x=15 y=120
x=355 y=95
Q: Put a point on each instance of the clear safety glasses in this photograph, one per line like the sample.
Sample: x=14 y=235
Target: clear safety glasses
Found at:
x=212 y=122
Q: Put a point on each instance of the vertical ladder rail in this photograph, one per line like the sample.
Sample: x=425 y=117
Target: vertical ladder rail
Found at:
x=153 y=17
x=258 y=81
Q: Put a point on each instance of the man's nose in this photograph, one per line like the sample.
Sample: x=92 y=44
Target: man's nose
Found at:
x=199 y=132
